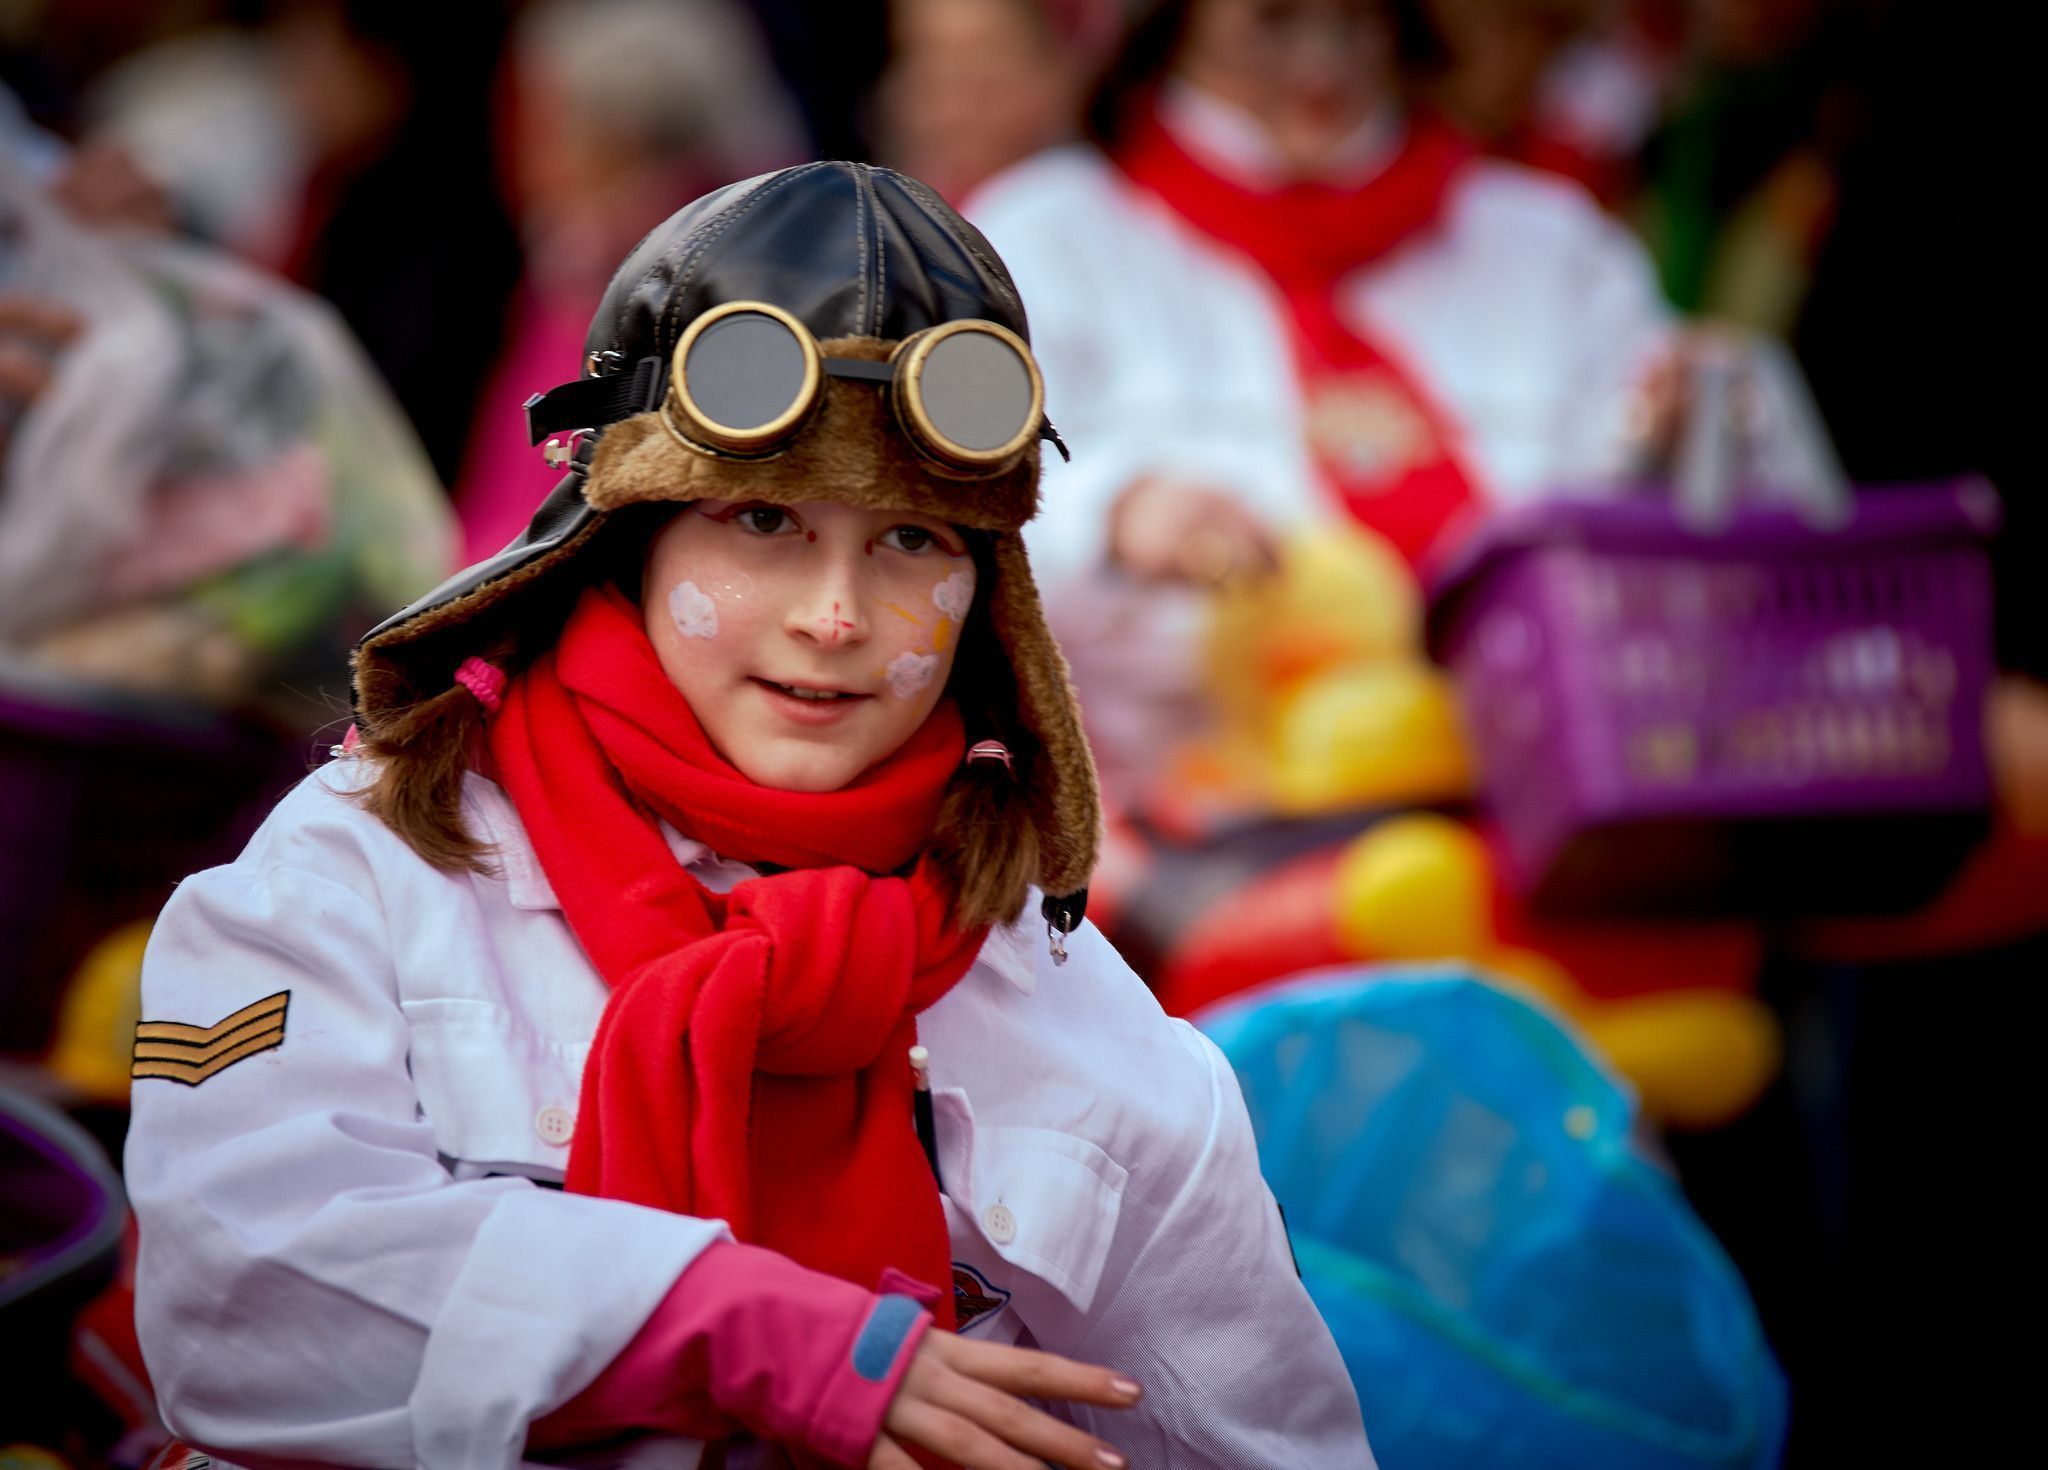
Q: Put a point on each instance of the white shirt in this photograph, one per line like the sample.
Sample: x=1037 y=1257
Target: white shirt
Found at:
x=347 y=1255
x=1524 y=313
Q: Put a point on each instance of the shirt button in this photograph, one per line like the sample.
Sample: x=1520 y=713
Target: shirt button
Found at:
x=1002 y=1225
x=554 y=1125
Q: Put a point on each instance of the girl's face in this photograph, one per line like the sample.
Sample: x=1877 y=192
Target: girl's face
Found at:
x=810 y=640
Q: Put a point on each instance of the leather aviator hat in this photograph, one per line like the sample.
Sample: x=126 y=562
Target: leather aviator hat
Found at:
x=887 y=337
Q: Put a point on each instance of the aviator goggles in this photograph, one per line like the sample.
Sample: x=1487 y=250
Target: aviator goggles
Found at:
x=747 y=376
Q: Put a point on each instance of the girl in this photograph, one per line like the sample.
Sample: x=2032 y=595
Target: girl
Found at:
x=648 y=1035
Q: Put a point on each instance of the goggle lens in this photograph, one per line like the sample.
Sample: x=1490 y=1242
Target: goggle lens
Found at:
x=746 y=371
x=977 y=392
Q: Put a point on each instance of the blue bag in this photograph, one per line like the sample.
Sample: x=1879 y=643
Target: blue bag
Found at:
x=1509 y=1279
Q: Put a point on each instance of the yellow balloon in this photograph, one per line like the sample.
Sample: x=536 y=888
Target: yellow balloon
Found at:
x=1366 y=734
x=1415 y=888
x=1341 y=595
x=1698 y=1058
x=1538 y=974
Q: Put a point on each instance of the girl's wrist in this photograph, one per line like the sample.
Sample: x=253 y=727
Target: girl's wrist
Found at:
x=748 y=1339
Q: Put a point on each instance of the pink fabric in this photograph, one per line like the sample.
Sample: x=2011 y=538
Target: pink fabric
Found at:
x=193 y=528
x=503 y=478
x=748 y=1340
x=485 y=681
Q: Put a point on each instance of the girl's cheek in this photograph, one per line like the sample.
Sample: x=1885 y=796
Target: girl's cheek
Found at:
x=950 y=601
x=694 y=613
x=712 y=593
x=911 y=673
x=953 y=596
x=931 y=622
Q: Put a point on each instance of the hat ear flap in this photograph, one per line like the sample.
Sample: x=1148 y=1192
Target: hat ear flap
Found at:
x=1065 y=804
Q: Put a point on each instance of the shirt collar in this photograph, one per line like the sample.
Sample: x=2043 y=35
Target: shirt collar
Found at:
x=495 y=820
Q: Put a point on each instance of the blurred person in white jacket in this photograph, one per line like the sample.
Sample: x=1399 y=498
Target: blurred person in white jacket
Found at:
x=679 y=1004
x=1271 y=295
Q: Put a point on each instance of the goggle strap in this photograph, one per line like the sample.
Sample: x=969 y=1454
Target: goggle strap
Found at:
x=590 y=403
x=853 y=367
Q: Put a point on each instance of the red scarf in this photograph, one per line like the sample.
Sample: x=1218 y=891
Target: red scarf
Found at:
x=1383 y=446
x=752 y=1062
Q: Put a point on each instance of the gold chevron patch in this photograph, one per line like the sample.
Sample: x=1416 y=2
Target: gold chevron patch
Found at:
x=177 y=1052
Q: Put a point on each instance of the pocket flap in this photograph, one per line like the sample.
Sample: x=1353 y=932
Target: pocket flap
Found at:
x=493 y=1092
x=1044 y=1200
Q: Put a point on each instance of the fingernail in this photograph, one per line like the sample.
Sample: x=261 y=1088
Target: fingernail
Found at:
x=1125 y=1386
x=1110 y=1458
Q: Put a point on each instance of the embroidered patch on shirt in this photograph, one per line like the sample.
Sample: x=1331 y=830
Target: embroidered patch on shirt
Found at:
x=177 y=1052
x=974 y=1297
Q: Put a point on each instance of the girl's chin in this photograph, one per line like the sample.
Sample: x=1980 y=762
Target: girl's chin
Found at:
x=801 y=765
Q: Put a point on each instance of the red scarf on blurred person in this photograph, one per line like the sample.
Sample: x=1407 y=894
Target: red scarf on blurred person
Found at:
x=752 y=1062
x=1382 y=444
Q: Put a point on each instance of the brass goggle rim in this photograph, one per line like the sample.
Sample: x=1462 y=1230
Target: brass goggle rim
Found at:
x=908 y=360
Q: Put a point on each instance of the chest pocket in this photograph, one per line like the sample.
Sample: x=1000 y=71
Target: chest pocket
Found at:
x=494 y=1092
x=1045 y=1201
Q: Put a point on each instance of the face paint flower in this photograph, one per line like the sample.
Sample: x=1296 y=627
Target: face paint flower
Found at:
x=955 y=595
x=696 y=615
x=912 y=673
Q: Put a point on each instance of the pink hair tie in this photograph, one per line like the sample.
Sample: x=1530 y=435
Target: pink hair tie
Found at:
x=990 y=751
x=485 y=681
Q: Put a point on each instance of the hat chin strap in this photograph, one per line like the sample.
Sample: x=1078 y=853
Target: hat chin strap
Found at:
x=592 y=403
x=1063 y=916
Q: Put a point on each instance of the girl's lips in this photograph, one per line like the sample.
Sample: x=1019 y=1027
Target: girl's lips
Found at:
x=809 y=711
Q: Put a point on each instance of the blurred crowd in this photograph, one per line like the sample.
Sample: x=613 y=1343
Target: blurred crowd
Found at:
x=1348 y=310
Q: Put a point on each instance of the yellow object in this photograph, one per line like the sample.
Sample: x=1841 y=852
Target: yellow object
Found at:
x=1415 y=888
x=1341 y=595
x=1541 y=976
x=1698 y=1058
x=96 y=1028
x=1365 y=734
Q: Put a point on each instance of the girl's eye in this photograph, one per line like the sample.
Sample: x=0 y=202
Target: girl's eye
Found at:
x=764 y=520
x=912 y=539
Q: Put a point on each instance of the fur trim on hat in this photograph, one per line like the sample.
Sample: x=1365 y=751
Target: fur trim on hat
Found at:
x=1066 y=806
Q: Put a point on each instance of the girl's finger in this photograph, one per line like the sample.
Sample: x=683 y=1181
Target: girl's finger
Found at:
x=1037 y=1375
x=951 y=1437
x=889 y=1455
x=1017 y=1423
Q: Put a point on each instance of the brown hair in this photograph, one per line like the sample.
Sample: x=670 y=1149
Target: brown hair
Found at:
x=984 y=844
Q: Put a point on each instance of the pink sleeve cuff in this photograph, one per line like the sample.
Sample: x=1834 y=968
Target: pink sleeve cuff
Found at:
x=746 y=1338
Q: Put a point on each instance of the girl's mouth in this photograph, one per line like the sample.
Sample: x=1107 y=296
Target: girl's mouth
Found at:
x=810 y=706
x=815 y=696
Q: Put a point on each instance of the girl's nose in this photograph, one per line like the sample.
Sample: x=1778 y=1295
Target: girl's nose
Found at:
x=830 y=610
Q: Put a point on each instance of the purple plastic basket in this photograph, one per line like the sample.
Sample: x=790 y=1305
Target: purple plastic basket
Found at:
x=1771 y=713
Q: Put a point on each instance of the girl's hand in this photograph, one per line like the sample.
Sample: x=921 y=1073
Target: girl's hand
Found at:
x=964 y=1401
